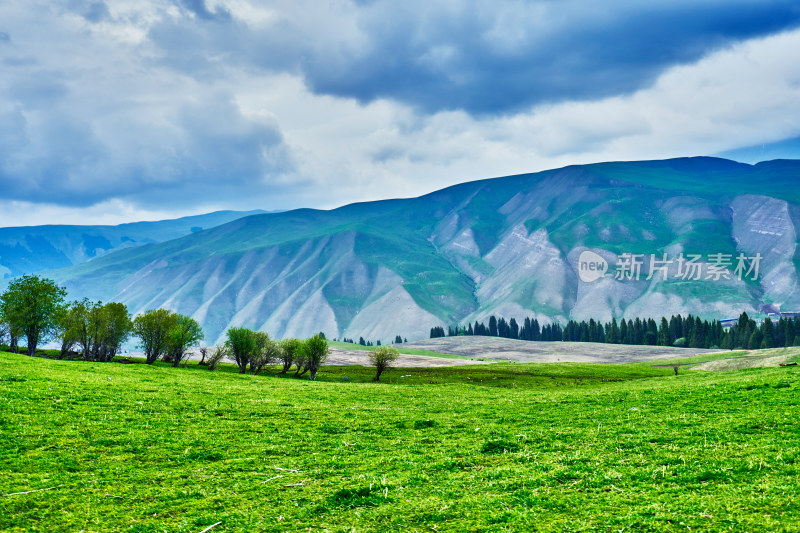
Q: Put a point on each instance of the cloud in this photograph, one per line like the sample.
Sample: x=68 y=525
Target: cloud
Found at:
x=97 y=12
x=201 y=150
x=199 y=8
x=496 y=58
x=738 y=96
x=112 y=107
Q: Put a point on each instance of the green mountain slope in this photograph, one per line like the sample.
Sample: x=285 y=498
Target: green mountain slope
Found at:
x=35 y=248
x=506 y=246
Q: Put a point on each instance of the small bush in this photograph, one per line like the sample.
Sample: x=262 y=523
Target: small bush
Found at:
x=499 y=446
x=220 y=353
x=423 y=424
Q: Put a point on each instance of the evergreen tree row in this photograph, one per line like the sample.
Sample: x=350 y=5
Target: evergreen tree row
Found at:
x=689 y=331
x=531 y=330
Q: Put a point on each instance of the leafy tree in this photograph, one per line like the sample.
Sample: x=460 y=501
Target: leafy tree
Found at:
x=382 y=358
x=70 y=325
x=288 y=353
x=398 y=339
x=265 y=351
x=98 y=329
x=315 y=351
x=110 y=325
x=301 y=360
x=153 y=327
x=31 y=306
x=241 y=344
x=184 y=334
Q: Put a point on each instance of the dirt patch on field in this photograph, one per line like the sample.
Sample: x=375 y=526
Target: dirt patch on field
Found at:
x=550 y=352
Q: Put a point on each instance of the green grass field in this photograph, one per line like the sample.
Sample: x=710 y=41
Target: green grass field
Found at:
x=502 y=447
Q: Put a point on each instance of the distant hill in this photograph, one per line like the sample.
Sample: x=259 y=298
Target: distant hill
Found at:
x=24 y=250
x=506 y=246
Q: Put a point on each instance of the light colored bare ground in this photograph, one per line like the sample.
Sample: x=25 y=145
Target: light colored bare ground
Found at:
x=357 y=357
x=550 y=352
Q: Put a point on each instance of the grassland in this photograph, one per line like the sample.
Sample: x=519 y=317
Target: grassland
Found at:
x=502 y=447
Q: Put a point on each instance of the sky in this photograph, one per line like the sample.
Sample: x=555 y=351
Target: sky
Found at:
x=116 y=111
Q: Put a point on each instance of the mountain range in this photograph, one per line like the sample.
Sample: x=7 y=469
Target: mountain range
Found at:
x=512 y=246
x=35 y=248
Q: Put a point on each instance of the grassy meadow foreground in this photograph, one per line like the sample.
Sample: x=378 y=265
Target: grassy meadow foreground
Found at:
x=497 y=447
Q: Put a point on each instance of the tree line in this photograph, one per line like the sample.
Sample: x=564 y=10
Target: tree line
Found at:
x=679 y=331
x=35 y=308
x=531 y=330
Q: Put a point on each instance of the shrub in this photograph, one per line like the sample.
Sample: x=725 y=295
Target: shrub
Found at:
x=289 y=349
x=219 y=353
x=265 y=351
x=315 y=351
x=241 y=345
x=381 y=358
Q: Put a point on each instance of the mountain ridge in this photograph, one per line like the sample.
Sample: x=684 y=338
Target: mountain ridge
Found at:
x=506 y=246
x=29 y=249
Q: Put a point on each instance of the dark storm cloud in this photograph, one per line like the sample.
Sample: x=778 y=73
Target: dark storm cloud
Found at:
x=440 y=56
x=585 y=55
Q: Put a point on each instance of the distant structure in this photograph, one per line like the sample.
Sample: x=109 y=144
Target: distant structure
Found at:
x=774 y=316
x=778 y=316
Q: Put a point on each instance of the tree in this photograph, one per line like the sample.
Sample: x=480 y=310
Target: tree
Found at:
x=184 y=333
x=108 y=327
x=32 y=305
x=70 y=325
x=492 y=326
x=768 y=333
x=301 y=360
x=288 y=353
x=315 y=351
x=153 y=327
x=382 y=358
x=241 y=345
x=265 y=351
x=100 y=330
